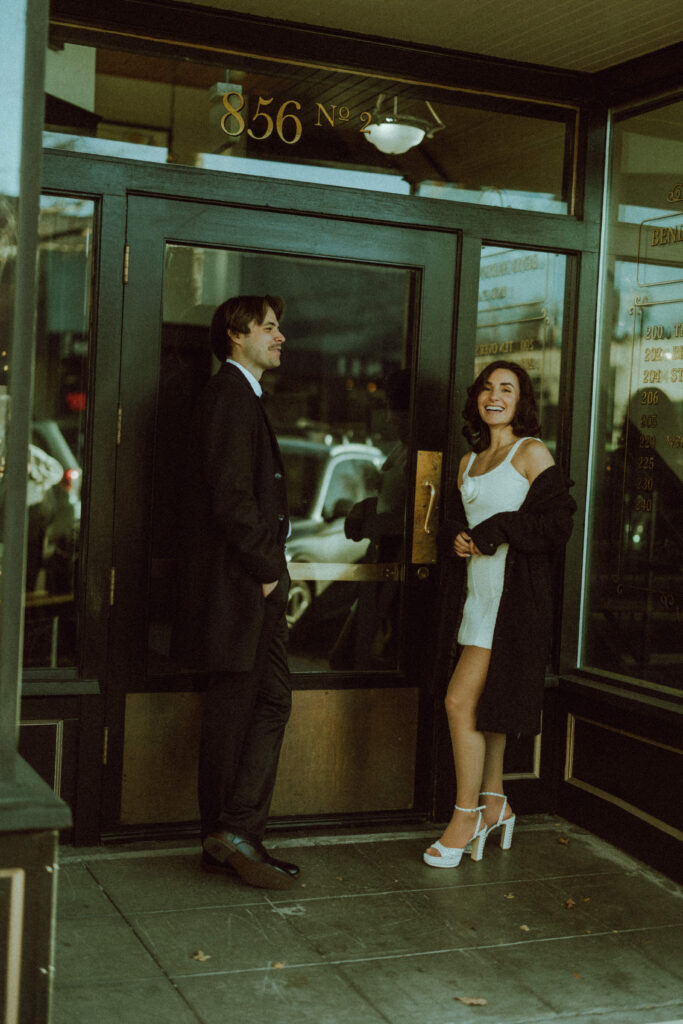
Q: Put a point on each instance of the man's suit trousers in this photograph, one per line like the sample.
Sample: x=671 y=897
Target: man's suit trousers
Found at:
x=244 y=719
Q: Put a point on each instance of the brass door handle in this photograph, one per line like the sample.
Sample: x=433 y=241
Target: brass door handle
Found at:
x=432 y=501
x=426 y=507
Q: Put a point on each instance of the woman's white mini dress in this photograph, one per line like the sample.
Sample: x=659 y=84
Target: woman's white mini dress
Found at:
x=502 y=489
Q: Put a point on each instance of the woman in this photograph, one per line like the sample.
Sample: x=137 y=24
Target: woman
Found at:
x=511 y=514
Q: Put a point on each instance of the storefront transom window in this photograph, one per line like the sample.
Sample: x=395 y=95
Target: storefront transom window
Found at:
x=272 y=119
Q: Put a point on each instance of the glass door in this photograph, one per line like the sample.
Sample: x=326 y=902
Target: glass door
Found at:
x=359 y=406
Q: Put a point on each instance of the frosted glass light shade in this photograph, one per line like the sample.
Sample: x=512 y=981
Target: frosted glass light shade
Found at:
x=394 y=136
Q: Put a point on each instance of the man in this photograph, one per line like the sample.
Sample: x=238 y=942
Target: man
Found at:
x=232 y=610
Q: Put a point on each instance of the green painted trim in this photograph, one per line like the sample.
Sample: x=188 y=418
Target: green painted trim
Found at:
x=29 y=805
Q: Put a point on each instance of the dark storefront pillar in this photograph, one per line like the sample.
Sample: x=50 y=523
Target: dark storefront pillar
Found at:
x=30 y=814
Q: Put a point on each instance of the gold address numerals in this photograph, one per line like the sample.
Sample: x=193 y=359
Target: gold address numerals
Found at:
x=284 y=121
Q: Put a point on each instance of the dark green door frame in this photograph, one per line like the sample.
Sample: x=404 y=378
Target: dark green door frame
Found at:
x=152 y=223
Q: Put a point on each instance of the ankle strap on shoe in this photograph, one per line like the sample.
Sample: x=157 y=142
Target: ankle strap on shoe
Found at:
x=485 y=792
x=469 y=810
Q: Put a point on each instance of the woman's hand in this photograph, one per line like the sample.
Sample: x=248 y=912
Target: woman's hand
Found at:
x=464 y=546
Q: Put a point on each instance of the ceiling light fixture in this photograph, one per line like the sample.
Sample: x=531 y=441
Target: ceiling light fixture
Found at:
x=397 y=133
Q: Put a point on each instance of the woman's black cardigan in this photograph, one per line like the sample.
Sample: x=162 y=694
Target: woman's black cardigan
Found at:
x=513 y=696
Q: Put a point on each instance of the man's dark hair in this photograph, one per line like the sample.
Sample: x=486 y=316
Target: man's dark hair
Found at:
x=525 y=422
x=236 y=315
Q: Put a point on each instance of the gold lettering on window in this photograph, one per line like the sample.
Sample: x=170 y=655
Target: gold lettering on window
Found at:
x=666 y=236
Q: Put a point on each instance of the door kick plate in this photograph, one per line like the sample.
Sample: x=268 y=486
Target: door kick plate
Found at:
x=364 y=571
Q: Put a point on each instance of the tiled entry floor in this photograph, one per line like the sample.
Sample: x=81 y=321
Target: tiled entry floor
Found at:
x=561 y=928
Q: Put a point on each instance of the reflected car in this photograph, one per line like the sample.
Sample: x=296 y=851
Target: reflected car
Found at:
x=324 y=482
x=53 y=542
x=48 y=435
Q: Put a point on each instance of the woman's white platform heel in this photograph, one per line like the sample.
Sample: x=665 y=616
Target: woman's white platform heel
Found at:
x=450 y=856
x=508 y=826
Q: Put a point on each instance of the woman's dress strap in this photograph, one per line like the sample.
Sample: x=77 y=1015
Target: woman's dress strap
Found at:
x=511 y=454
x=473 y=456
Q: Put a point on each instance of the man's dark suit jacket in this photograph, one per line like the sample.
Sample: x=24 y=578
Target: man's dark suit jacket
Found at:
x=236 y=527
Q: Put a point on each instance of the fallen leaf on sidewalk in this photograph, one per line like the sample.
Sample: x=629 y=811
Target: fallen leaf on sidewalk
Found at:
x=471 y=1001
x=524 y=928
x=278 y=965
x=561 y=839
x=569 y=904
x=201 y=956
x=509 y=895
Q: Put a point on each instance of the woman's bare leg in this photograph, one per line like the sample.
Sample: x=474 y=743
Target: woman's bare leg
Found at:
x=492 y=780
x=469 y=744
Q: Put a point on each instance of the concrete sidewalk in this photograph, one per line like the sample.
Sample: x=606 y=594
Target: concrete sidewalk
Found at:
x=561 y=928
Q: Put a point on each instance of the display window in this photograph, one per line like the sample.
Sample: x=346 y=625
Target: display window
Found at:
x=56 y=461
x=521 y=317
x=633 y=598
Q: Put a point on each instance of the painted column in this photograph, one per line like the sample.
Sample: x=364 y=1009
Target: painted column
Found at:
x=30 y=814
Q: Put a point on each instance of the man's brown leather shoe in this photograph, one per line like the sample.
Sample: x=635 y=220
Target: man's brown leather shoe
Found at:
x=251 y=862
x=283 y=865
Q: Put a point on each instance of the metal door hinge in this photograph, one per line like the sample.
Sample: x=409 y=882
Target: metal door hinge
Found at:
x=119 y=418
x=112 y=585
x=126 y=263
x=105 y=745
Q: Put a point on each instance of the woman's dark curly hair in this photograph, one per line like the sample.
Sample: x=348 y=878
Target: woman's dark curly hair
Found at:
x=525 y=422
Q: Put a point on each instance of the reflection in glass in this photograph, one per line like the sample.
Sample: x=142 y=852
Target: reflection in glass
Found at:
x=333 y=406
x=309 y=124
x=633 y=602
x=520 y=318
x=325 y=482
x=56 y=453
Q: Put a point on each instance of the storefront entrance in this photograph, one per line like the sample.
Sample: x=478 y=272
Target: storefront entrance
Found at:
x=367 y=309
x=176 y=172
x=386 y=323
